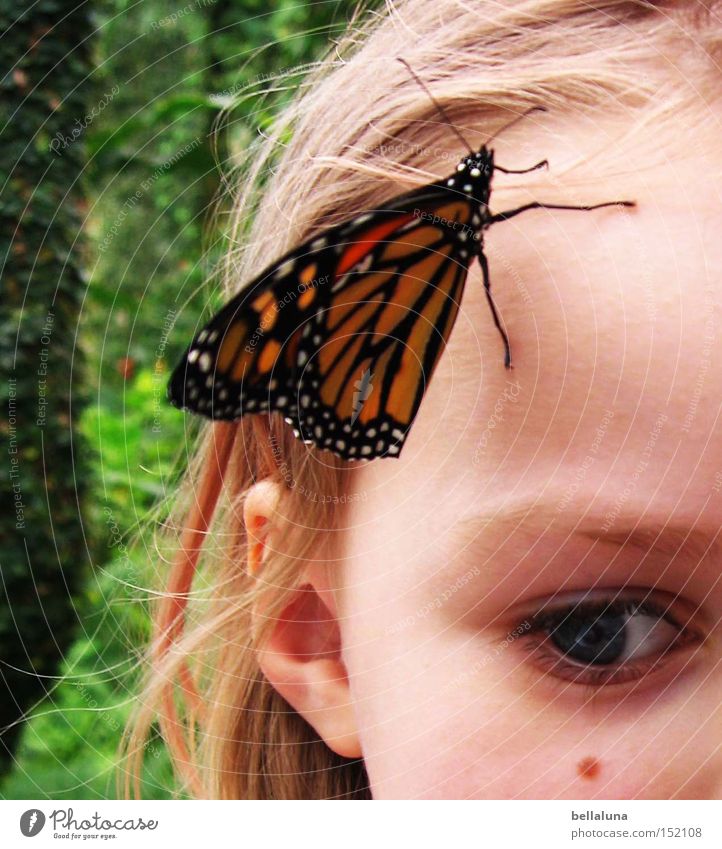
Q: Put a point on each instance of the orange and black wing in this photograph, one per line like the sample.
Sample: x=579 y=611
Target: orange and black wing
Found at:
x=343 y=334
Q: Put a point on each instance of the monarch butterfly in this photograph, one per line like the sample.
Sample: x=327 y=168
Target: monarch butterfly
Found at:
x=343 y=334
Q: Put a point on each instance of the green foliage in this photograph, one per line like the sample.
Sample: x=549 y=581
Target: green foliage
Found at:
x=69 y=749
x=44 y=479
x=146 y=167
x=136 y=440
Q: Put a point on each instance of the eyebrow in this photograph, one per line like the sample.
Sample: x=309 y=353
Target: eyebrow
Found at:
x=668 y=536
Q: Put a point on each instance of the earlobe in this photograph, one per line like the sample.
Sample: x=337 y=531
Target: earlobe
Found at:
x=301 y=658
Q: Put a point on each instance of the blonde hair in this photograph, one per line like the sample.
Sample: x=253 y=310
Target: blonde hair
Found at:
x=361 y=130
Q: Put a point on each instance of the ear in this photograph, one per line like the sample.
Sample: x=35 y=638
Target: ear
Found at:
x=302 y=656
x=259 y=516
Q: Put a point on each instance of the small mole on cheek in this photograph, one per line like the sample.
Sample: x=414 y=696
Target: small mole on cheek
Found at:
x=588 y=767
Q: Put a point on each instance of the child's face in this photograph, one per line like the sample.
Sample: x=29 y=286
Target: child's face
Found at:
x=590 y=472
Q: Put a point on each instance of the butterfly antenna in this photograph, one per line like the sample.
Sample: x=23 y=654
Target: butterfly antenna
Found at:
x=516 y=121
x=436 y=103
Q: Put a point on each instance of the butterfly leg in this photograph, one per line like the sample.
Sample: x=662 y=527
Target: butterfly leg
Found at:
x=505 y=216
x=543 y=164
x=487 y=290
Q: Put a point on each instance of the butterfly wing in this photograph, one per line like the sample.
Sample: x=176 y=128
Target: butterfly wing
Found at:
x=243 y=360
x=368 y=357
x=343 y=334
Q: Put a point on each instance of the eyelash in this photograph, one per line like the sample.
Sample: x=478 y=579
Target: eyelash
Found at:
x=551 y=660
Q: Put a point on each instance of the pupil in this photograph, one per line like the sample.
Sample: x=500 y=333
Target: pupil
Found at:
x=591 y=638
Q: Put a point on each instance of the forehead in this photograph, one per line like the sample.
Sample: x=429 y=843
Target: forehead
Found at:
x=608 y=310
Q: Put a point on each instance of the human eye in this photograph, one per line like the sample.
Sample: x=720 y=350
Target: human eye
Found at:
x=600 y=641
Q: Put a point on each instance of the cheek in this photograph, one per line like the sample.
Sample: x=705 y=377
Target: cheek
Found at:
x=433 y=725
x=460 y=757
